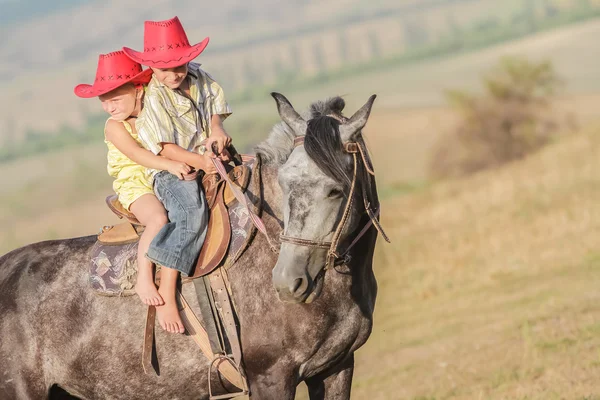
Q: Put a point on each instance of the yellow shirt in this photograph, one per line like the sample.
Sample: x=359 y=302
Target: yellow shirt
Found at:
x=170 y=117
x=131 y=179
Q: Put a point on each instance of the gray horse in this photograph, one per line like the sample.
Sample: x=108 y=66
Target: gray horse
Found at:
x=55 y=332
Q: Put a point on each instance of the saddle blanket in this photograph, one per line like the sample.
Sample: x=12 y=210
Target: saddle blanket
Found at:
x=113 y=267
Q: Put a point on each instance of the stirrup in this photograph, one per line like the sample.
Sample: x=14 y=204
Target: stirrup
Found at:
x=232 y=395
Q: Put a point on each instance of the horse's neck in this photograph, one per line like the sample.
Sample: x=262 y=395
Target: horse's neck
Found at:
x=272 y=199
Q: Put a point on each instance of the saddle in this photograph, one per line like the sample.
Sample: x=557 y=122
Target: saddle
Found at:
x=219 y=197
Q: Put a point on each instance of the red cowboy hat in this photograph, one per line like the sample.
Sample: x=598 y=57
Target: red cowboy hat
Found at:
x=165 y=45
x=114 y=69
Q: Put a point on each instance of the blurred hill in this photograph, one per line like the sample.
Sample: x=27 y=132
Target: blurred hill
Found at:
x=254 y=46
x=408 y=118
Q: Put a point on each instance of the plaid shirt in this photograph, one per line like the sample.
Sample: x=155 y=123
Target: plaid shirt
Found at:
x=170 y=117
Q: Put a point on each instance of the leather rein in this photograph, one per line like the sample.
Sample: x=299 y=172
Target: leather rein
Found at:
x=333 y=256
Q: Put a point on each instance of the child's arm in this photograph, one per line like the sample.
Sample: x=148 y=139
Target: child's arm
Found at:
x=198 y=161
x=219 y=110
x=217 y=135
x=118 y=135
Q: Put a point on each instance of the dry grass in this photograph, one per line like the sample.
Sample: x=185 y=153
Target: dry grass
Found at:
x=490 y=289
x=55 y=195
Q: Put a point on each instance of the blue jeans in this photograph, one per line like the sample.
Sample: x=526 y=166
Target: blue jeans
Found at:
x=178 y=243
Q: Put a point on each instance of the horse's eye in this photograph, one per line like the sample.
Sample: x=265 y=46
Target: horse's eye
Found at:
x=334 y=193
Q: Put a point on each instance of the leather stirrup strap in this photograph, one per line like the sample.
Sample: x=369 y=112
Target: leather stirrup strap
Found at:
x=223 y=304
x=206 y=302
x=148 y=347
x=196 y=331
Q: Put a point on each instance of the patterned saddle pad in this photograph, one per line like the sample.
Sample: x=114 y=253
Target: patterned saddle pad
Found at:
x=113 y=266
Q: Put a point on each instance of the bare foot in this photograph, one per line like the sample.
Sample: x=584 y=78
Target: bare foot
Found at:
x=146 y=289
x=168 y=315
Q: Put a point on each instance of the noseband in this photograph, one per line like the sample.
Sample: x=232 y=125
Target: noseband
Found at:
x=333 y=256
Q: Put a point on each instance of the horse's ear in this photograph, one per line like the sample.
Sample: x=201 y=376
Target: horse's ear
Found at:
x=289 y=115
x=357 y=121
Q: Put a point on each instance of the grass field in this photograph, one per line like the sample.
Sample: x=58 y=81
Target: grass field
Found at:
x=490 y=289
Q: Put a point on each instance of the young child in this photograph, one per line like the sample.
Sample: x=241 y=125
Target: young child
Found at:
x=183 y=107
x=118 y=84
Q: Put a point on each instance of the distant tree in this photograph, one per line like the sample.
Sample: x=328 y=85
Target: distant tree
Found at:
x=529 y=15
x=278 y=67
x=374 y=46
x=549 y=9
x=295 y=56
x=344 y=47
x=453 y=26
x=510 y=120
x=487 y=24
x=319 y=56
x=283 y=75
x=252 y=75
x=224 y=73
x=583 y=4
x=415 y=31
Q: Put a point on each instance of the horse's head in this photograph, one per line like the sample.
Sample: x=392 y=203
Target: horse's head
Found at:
x=321 y=187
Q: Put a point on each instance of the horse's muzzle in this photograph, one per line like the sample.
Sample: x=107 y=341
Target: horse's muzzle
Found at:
x=296 y=286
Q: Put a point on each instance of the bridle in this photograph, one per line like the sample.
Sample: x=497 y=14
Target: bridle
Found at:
x=333 y=255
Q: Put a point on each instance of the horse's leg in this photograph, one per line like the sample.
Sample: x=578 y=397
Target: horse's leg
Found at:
x=22 y=386
x=274 y=386
x=334 y=384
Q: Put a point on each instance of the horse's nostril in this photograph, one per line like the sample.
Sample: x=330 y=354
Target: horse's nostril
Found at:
x=299 y=287
x=296 y=285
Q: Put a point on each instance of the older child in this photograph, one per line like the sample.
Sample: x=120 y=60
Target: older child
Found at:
x=184 y=106
x=119 y=87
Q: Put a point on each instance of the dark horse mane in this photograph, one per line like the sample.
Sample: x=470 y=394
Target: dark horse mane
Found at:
x=323 y=143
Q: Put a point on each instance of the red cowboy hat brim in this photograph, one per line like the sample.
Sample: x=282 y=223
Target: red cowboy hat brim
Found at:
x=87 y=91
x=167 y=59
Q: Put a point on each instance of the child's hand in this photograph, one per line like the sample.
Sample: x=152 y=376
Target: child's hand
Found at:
x=225 y=156
x=178 y=168
x=205 y=164
x=220 y=137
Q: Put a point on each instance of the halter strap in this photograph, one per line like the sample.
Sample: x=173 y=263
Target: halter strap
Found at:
x=353 y=148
